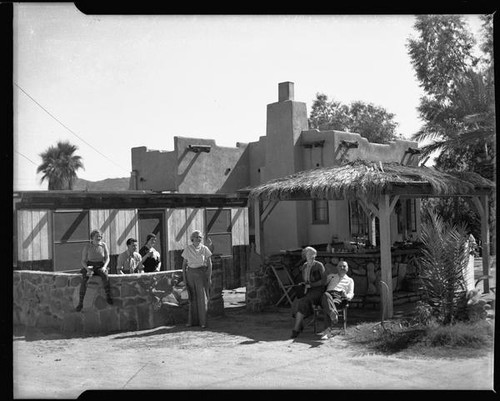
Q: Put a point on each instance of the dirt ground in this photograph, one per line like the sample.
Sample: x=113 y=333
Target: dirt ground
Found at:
x=240 y=350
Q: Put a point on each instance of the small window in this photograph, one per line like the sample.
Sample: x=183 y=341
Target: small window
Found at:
x=358 y=220
x=320 y=211
x=411 y=215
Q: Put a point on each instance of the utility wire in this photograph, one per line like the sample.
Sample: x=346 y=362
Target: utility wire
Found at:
x=70 y=130
x=27 y=158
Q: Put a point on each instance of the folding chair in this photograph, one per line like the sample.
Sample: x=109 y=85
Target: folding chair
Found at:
x=318 y=309
x=285 y=282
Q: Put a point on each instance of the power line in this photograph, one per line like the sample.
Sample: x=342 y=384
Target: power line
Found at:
x=70 y=130
x=27 y=158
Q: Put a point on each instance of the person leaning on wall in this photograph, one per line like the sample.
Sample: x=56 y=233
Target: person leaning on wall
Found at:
x=130 y=261
x=150 y=256
x=197 y=274
x=95 y=260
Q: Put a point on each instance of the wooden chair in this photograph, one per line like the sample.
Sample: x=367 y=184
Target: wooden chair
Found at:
x=318 y=310
x=285 y=282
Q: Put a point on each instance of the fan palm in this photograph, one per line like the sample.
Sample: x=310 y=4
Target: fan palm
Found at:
x=59 y=165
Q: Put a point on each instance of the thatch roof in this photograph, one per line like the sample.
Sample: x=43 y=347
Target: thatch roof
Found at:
x=360 y=178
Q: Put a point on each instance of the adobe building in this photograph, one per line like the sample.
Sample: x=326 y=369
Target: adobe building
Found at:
x=289 y=146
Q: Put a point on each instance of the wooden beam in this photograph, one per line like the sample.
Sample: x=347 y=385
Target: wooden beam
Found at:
x=259 y=232
x=393 y=202
x=477 y=202
x=270 y=205
x=482 y=207
x=385 y=256
x=370 y=206
x=372 y=227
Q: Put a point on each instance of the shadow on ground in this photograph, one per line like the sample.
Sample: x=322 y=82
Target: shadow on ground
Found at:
x=242 y=326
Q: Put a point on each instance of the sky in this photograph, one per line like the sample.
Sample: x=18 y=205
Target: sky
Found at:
x=108 y=83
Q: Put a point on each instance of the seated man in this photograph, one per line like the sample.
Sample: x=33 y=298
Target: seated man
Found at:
x=339 y=290
x=130 y=261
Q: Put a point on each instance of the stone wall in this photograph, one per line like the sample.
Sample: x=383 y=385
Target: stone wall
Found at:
x=263 y=289
x=141 y=301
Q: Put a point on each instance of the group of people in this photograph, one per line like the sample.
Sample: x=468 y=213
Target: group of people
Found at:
x=95 y=260
x=324 y=287
x=319 y=286
x=196 y=269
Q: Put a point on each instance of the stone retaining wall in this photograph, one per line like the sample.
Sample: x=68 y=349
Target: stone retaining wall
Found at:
x=141 y=301
x=263 y=289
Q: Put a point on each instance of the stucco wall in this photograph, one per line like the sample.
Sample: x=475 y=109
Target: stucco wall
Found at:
x=155 y=170
x=223 y=169
x=330 y=154
x=141 y=301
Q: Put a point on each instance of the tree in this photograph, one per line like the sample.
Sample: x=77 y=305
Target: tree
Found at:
x=458 y=106
x=59 y=165
x=372 y=122
x=441 y=53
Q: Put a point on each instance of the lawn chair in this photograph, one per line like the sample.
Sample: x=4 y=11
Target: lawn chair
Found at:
x=319 y=310
x=285 y=282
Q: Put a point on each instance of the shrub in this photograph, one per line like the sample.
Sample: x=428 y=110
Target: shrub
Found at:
x=460 y=334
x=445 y=256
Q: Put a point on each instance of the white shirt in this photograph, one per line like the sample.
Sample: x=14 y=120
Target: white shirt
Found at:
x=128 y=262
x=335 y=283
x=196 y=257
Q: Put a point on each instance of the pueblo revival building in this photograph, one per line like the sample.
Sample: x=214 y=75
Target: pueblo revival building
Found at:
x=199 y=166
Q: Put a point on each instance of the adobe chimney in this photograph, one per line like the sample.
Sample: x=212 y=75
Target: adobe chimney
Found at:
x=285 y=91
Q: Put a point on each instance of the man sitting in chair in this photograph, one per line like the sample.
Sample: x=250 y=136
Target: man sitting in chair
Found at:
x=339 y=291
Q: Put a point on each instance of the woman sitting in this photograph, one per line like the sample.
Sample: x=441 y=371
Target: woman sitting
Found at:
x=313 y=274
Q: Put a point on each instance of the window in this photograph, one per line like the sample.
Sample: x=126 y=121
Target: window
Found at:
x=358 y=220
x=411 y=215
x=219 y=230
x=71 y=232
x=320 y=211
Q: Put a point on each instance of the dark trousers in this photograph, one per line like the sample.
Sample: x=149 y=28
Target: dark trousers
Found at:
x=97 y=272
x=331 y=302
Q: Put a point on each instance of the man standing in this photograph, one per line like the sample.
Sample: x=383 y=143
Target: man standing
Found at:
x=130 y=261
x=339 y=291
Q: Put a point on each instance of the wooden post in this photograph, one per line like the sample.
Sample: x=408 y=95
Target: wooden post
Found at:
x=384 y=208
x=371 y=213
x=481 y=203
x=259 y=237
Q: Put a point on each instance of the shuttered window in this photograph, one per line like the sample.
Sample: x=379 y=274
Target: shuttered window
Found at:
x=219 y=230
x=71 y=232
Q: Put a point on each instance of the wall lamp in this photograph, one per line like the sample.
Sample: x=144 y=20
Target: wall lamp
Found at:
x=199 y=148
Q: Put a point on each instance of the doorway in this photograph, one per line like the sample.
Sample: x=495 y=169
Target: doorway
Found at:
x=152 y=222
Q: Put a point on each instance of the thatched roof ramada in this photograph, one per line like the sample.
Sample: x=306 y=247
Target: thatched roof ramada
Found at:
x=369 y=180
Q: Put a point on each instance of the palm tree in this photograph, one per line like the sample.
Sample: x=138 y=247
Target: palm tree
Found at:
x=59 y=165
x=463 y=128
x=444 y=259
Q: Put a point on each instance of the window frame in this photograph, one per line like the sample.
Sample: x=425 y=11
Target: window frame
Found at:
x=56 y=242
x=315 y=218
x=228 y=233
x=362 y=221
